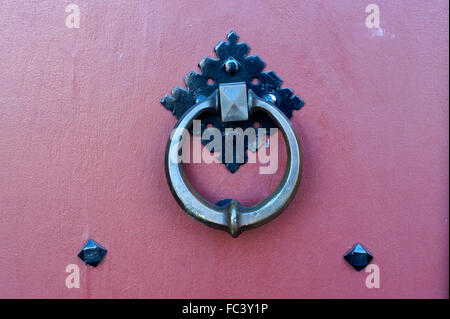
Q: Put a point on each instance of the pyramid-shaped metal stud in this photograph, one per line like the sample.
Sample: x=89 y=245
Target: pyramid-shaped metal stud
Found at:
x=92 y=253
x=233 y=102
x=358 y=257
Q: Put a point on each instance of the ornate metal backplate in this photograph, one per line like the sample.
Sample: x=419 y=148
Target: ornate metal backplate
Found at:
x=232 y=65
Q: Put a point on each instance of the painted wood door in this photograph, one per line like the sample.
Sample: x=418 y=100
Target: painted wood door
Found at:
x=83 y=135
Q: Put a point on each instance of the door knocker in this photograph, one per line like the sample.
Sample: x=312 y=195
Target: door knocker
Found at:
x=233 y=91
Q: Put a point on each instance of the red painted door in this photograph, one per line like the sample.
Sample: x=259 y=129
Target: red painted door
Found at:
x=83 y=135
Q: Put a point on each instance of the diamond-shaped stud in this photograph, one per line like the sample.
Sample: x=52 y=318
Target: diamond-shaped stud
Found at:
x=233 y=102
x=92 y=253
x=358 y=257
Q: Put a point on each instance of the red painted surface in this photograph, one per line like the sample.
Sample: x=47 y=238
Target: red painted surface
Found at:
x=82 y=139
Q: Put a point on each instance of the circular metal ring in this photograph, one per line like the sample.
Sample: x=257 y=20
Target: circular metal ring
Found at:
x=234 y=217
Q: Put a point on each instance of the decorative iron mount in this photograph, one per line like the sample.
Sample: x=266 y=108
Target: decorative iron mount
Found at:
x=233 y=65
x=232 y=100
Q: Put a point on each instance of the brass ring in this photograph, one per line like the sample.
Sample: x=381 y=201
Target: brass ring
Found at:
x=234 y=217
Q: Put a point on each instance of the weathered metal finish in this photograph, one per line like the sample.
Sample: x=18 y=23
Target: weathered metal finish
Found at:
x=231 y=216
x=233 y=65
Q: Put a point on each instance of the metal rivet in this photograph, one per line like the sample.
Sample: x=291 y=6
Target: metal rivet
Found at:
x=358 y=257
x=231 y=65
x=92 y=253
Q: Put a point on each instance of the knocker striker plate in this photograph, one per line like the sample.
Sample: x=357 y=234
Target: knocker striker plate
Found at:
x=237 y=103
